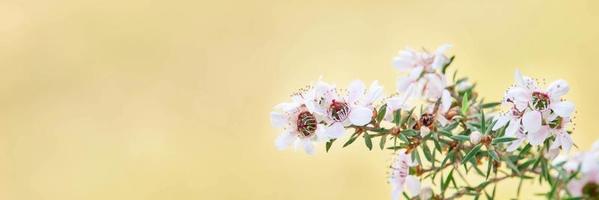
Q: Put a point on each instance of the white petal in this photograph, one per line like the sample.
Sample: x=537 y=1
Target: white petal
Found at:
x=558 y=88
x=355 y=90
x=278 y=120
x=405 y=60
x=516 y=143
x=519 y=96
x=396 y=191
x=374 y=93
x=566 y=141
x=360 y=115
x=501 y=121
x=403 y=84
x=563 y=109
x=413 y=186
x=442 y=120
x=575 y=187
x=334 y=131
x=308 y=146
x=445 y=101
x=416 y=72
x=512 y=128
x=519 y=78
x=539 y=136
x=531 y=121
x=284 y=140
x=424 y=131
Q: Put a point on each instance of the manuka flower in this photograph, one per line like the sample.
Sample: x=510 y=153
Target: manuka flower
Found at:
x=424 y=79
x=536 y=113
x=299 y=122
x=400 y=178
x=587 y=183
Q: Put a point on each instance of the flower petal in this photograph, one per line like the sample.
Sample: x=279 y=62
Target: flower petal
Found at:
x=334 y=131
x=284 y=140
x=413 y=185
x=374 y=93
x=512 y=128
x=539 y=136
x=424 y=131
x=308 y=146
x=557 y=89
x=360 y=115
x=501 y=121
x=445 y=101
x=531 y=121
x=516 y=143
x=355 y=91
x=278 y=120
x=563 y=109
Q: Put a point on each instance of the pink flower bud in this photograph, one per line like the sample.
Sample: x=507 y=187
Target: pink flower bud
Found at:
x=475 y=137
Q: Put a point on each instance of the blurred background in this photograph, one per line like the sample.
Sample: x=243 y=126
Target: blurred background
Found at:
x=143 y=99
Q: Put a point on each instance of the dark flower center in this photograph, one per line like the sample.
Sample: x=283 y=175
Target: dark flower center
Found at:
x=540 y=100
x=591 y=191
x=306 y=124
x=338 y=111
x=427 y=119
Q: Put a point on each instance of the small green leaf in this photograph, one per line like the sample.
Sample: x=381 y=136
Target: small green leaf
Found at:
x=511 y=165
x=383 y=141
x=351 y=139
x=409 y=132
x=493 y=155
x=397 y=117
x=460 y=137
x=368 y=140
x=503 y=140
x=490 y=105
x=447 y=181
x=329 y=144
x=465 y=103
x=381 y=113
x=472 y=153
x=427 y=152
x=444 y=69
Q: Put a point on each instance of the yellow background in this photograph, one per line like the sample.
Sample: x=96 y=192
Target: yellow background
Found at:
x=142 y=99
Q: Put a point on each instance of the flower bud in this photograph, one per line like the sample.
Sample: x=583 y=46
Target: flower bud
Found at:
x=475 y=137
x=426 y=193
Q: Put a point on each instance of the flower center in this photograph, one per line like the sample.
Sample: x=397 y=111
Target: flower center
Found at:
x=306 y=124
x=338 y=111
x=591 y=191
x=540 y=100
x=427 y=119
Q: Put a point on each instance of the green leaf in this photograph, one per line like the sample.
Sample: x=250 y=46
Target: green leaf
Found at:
x=427 y=152
x=465 y=103
x=329 y=144
x=489 y=166
x=447 y=65
x=525 y=151
x=490 y=105
x=503 y=140
x=409 y=132
x=351 y=139
x=447 y=181
x=511 y=165
x=383 y=141
x=493 y=155
x=397 y=117
x=472 y=153
x=368 y=140
x=381 y=113
x=460 y=137
x=482 y=121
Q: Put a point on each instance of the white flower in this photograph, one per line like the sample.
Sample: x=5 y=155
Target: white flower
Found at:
x=400 y=177
x=394 y=104
x=588 y=181
x=409 y=59
x=475 y=137
x=537 y=113
x=299 y=122
x=424 y=78
x=356 y=107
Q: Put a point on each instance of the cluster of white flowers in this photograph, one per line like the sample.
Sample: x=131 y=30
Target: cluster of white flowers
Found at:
x=323 y=113
x=536 y=114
